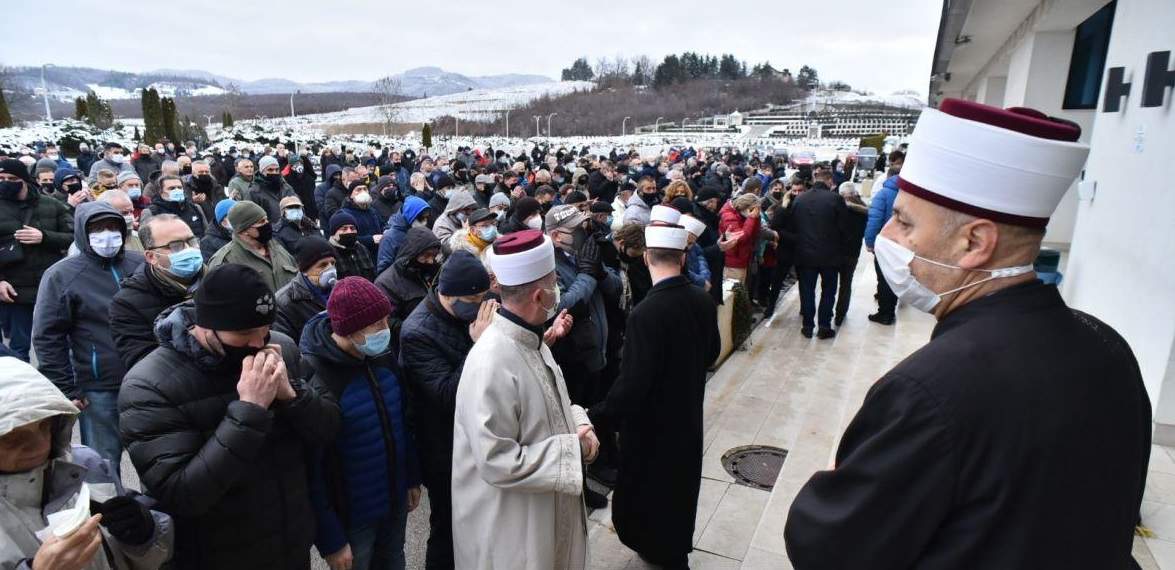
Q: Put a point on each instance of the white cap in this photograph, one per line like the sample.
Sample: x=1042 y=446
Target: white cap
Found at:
x=665 y=237
x=1010 y=166
x=693 y=225
x=521 y=257
x=664 y=214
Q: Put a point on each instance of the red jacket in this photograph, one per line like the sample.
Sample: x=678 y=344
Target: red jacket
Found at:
x=739 y=256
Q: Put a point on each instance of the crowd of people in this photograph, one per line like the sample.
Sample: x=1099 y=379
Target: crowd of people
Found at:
x=303 y=318
x=288 y=357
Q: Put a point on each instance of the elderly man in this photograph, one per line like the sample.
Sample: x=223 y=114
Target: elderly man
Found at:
x=238 y=187
x=123 y=204
x=203 y=188
x=253 y=245
x=518 y=443
x=42 y=476
x=270 y=189
x=974 y=451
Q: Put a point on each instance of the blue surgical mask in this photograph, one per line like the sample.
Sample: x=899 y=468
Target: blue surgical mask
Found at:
x=134 y=192
x=106 y=243
x=175 y=195
x=294 y=214
x=488 y=234
x=375 y=344
x=187 y=263
x=327 y=278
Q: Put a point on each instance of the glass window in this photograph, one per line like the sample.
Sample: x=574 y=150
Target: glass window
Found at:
x=1089 y=59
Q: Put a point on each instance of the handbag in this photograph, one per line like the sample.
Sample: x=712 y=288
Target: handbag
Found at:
x=11 y=250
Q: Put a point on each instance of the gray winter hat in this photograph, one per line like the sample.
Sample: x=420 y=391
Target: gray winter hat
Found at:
x=266 y=162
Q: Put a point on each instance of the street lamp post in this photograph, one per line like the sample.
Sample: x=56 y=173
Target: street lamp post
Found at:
x=45 y=93
x=536 y=124
x=549 y=123
x=456 y=126
x=683 y=120
x=507 y=123
x=209 y=119
x=622 y=124
x=292 y=104
x=657 y=125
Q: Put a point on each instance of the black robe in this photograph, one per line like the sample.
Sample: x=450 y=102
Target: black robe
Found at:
x=656 y=406
x=1018 y=437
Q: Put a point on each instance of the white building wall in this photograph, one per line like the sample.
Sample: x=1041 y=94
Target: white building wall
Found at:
x=1121 y=267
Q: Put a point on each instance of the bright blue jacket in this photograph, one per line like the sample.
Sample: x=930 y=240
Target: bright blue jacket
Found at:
x=880 y=209
x=397 y=228
x=354 y=482
x=696 y=266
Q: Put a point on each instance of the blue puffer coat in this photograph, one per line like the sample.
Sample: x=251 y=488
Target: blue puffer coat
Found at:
x=880 y=209
x=373 y=461
x=398 y=225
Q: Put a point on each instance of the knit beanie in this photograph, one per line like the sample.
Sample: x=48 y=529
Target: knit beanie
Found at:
x=244 y=215
x=463 y=275
x=128 y=175
x=682 y=204
x=265 y=162
x=499 y=199
x=337 y=221
x=222 y=208
x=233 y=297
x=45 y=165
x=311 y=250
x=354 y=304
x=18 y=169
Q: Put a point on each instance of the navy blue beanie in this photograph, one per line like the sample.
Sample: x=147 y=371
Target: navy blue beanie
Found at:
x=463 y=275
x=340 y=219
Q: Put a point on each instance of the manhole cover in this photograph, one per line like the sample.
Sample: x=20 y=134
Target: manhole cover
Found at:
x=754 y=465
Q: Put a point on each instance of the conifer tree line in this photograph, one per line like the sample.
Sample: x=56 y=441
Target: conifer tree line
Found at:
x=94 y=110
x=688 y=66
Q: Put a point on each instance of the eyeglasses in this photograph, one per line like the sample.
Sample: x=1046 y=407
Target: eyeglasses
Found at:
x=180 y=244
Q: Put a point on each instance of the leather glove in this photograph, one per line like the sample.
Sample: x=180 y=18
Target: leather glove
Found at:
x=588 y=257
x=126 y=519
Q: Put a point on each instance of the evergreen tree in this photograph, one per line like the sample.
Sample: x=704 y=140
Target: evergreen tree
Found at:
x=728 y=68
x=426 y=135
x=5 y=116
x=807 y=78
x=228 y=122
x=136 y=136
x=670 y=71
x=98 y=112
x=170 y=121
x=79 y=109
x=152 y=116
x=580 y=70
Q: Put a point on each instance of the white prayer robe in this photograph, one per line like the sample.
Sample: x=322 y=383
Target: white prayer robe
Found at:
x=517 y=470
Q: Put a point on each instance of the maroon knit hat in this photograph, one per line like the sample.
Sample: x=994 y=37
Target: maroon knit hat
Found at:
x=355 y=304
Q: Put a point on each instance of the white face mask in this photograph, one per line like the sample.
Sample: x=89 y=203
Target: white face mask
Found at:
x=554 y=310
x=895 y=260
x=363 y=199
x=106 y=243
x=535 y=223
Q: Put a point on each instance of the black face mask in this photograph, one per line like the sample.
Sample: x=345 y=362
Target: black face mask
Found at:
x=546 y=207
x=265 y=233
x=10 y=189
x=186 y=170
x=47 y=187
x=426 y=270
x=273 y=180
x=203 y=180
x=651 y=199
x=235 y=355
x=348 y=240
x=73 y=187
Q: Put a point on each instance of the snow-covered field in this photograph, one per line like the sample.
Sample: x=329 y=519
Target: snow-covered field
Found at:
x=475 y=105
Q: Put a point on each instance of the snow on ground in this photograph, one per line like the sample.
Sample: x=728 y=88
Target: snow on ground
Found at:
x=107 y=92
x=903 y=100
x=475 y=105
x=307 y=138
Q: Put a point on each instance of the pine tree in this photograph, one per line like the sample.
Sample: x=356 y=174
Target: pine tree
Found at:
x=426 y=135
x=80 y=112
x=98 y=112
x=136 y=136
x=228 y=120
x=152 y=116
x=5 y=116
x=169 y=120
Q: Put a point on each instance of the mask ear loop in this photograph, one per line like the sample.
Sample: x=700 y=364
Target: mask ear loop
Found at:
x=995 y=274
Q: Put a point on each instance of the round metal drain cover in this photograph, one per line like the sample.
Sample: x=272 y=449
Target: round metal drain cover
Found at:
x=754 y=465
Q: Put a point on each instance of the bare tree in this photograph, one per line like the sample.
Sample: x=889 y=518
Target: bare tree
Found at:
x=389 y=90
x=232 y=98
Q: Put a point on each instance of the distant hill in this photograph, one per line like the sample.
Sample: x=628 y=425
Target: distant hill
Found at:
x=66 y=83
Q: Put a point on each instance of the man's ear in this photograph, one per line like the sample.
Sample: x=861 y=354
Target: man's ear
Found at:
x=981 y=237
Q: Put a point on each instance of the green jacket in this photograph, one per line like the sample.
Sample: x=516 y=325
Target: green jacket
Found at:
x=238 y=188
x=55 y=221
x=279 y=269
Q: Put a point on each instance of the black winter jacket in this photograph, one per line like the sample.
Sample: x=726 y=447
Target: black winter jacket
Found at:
x=56 y=223
x=819 y=218
x=433 y=346
x=291 y=233
x=404 y=283
x=296 y=303
x=215 y=238
x=133 y=312
x=231 y=474
x=354 y=261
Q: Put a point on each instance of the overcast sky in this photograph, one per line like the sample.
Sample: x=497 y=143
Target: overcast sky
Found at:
x=881 y=46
